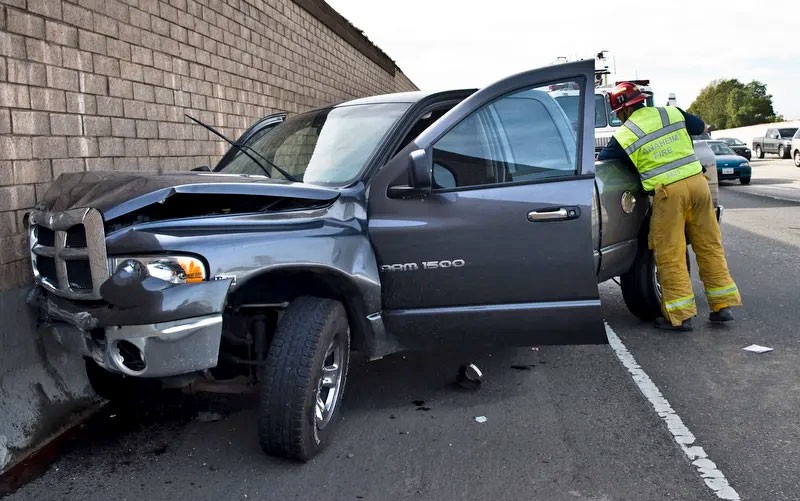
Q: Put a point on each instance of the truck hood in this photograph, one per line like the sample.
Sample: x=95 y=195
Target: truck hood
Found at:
x=117 y=193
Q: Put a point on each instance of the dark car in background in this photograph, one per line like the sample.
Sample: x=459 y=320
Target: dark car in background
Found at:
x=729 y=164
x=738 y=146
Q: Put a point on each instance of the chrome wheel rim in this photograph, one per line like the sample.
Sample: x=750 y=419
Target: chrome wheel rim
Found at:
x=329 y=386
x=656 y=283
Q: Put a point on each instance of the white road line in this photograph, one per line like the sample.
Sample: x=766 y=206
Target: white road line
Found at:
x=713 y=478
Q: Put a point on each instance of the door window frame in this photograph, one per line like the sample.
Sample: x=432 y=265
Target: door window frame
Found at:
x=577 y=174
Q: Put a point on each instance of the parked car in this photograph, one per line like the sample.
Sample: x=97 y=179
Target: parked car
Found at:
x=738 y=146
x=729 y=164
x=796 y=148
x=777 y=140
x=406 y=221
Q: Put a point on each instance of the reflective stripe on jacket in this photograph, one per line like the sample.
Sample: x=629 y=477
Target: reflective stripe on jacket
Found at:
x=658 y=144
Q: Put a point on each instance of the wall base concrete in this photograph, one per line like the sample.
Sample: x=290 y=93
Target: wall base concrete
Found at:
x=41 y=386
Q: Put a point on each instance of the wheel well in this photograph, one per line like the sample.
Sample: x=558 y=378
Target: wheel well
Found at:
x=283 y=286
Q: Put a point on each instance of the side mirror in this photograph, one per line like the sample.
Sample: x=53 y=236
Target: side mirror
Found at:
x=420 y=170
x=202 y=168
x=420 y=174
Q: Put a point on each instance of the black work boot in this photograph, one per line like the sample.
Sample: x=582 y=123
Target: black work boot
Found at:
x=664 y=324
x=723 y=315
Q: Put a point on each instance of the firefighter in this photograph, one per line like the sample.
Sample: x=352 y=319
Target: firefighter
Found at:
x=657 y=143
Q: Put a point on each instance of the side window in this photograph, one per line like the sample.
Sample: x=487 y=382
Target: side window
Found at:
x=522 y=137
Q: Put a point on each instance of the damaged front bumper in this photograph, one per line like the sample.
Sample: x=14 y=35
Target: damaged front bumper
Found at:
x=144 y=326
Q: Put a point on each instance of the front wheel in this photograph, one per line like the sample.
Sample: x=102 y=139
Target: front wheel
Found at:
x=797 y=158
x=759 y=152
x=744 y=180
x=782 y=152
x=304 y=379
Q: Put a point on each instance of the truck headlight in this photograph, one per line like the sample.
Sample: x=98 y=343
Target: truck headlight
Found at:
x=744 y=164
x=174 y=269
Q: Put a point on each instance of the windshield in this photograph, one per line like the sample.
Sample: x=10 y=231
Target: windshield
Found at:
x=328 y=146
x=733 y=142
x=721 y=149
x=787 y=132
x=601 y=116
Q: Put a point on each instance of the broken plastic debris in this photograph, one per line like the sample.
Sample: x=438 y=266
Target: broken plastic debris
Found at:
x=350 y=455
x=469 y=376
x=755 y=348
x=209 y=417
x=481 y=419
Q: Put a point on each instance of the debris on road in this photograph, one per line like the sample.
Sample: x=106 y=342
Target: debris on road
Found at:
x=423 y=408
x=755 y=348
x=481 y=419
x=469 y=376
x=418 y=403
x=522 y=367
x=208 y=417
x=350 y=455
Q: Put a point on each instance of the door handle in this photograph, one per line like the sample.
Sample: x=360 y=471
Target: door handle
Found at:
x=562 y=214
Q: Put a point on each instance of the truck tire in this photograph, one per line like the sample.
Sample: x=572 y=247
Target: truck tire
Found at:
x=640 y=288
x=782 y=152
x=304 y=378
x=119 y=388
x=759 y=152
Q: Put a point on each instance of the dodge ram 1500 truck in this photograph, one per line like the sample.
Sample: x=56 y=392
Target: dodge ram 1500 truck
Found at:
x=405 y=221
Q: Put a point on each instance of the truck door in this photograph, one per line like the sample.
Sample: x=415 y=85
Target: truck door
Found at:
x=499 y=251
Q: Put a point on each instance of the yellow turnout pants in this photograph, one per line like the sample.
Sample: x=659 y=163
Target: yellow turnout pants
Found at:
x=682 y=209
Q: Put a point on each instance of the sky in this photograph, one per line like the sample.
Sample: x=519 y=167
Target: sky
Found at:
x=680 y=45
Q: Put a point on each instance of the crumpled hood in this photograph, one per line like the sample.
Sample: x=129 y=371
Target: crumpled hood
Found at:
x=117 y=193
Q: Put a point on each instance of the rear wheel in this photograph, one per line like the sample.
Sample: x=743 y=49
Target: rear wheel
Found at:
x=304 y=379
x=759 y=152
x=744 y=180
x=640 y=287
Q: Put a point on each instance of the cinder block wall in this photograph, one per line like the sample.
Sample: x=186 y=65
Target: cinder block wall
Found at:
x=104 y=85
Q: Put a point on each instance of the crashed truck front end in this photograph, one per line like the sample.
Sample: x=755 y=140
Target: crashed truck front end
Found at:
x=122 y=262
x=148 y=315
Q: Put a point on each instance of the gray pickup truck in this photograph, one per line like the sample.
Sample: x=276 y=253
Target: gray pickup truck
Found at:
x=778 y=140
x=460 y=219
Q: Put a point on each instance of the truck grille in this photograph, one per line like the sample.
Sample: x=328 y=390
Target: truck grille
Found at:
x=601 y=142
x=68 y=252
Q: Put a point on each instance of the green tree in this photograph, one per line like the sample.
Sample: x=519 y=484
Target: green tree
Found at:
x=725 y=104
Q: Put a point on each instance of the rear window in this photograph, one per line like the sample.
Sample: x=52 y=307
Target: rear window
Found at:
x=787 y=132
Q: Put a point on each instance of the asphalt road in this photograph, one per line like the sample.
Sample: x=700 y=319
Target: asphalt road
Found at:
x=573 y=427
